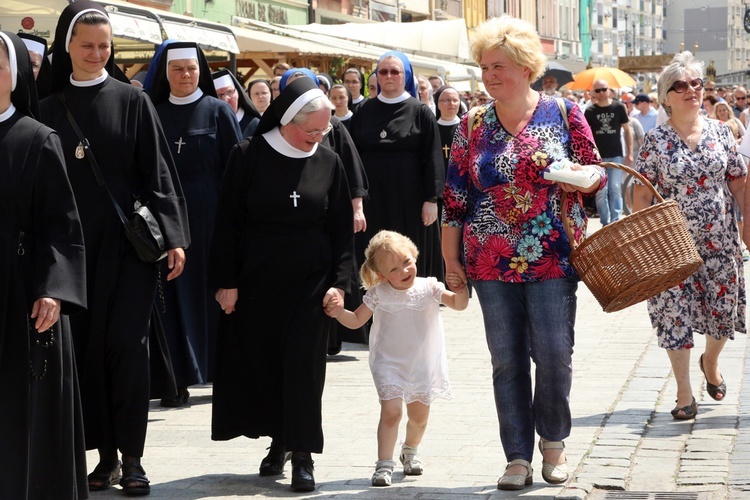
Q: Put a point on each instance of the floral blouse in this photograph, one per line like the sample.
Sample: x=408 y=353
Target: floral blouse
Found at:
x=495 y=192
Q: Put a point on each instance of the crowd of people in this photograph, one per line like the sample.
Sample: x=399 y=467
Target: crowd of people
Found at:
x=299 y=211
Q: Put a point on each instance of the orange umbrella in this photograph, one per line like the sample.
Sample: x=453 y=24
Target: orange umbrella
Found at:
x=614 y=77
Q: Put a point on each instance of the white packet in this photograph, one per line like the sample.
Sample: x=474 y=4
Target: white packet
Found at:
x=561 y=171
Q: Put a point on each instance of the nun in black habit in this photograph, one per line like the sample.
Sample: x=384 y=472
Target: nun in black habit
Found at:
x=111 y=338
x=201 y=131
x=339 y=141
x=354 y=81
x=448 y=114
x=281 y=253
x=42 y=263
x=229 y=90
x=397 y=137
x=38 y=52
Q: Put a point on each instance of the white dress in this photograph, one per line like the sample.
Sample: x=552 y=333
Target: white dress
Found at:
x=407 y=344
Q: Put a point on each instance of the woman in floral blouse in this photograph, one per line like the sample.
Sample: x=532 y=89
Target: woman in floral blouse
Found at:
x=506 y=217
x=694 y=161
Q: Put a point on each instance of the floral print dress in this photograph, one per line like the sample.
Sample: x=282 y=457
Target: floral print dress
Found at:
x=712 y=300
x=495 y=192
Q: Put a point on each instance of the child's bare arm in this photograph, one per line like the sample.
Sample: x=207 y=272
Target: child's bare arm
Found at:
x=355 y=319
x=456 y=300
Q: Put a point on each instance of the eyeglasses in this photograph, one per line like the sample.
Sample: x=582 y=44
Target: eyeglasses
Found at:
x=452 y=101
x=314 y=133
x=740 y=98
x=709 y=89
x=599 y=91
x=389 y=72
x=227 y=93
x=681 y=86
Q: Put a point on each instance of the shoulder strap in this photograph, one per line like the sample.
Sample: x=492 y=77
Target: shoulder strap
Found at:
x=88 y=153
x=470 y=121
x=563 y=111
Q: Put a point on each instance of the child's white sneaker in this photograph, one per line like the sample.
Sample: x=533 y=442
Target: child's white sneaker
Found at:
x=410 y=460
x=383 y=472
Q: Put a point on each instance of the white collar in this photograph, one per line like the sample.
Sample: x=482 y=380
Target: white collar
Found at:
x=455 y=120
x=394 y=100
x=274 y=139
x=239 y=114
x=5 y=115
x=180 y=101
x=348 y=115
x=89 y=83
x=358 y=99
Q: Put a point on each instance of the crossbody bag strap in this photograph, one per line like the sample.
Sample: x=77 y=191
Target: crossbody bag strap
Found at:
x=563 y=111
x=89 y=153
x=470 y=122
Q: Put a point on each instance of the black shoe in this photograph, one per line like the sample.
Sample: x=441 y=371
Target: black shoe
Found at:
x=302 y=472
x=180 y=400
x=273 y=464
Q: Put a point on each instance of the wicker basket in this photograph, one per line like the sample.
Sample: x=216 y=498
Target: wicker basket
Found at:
x=638 y=256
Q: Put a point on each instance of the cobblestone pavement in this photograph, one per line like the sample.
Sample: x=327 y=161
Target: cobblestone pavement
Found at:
x=624 y=439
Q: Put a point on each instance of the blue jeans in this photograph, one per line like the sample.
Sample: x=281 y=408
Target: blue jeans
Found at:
x=524 y=322
x=609 y=199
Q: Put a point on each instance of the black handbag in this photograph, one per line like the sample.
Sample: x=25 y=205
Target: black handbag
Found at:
x=141 y=229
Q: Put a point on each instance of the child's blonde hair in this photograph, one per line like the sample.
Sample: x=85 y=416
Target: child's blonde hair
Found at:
x=384 y=241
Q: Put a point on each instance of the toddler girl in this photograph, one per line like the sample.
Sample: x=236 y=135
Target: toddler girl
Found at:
x=407 y=351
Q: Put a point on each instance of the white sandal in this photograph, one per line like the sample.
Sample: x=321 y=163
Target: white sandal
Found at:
x=383 y=472
x=553 y=473
x=410 y=460
x=516 y=481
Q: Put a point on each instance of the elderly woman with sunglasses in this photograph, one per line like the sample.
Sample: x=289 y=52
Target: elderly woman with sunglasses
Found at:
x=694 y=161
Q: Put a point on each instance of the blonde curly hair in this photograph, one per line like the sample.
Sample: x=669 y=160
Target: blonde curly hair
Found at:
x=384 y=241
x=517 y=38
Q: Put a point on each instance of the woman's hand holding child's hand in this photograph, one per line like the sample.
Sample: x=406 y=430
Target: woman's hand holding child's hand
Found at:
x=454 y=282
x=333 y=302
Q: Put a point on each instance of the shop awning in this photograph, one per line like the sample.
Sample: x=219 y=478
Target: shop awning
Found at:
x=442 y=38
x=133 y=23
x=257 y=35
x=142 y=23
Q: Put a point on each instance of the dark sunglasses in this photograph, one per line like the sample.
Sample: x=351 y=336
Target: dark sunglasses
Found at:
x=391 y=72
x=601 y=90
x=681 y=86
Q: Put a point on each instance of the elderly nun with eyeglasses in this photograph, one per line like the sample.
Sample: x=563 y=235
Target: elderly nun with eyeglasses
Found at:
x=281 y=255
x=694 y=161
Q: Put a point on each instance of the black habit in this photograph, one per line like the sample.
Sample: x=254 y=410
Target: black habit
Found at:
x=400 y=147
x=111 y=337
x=339 y=141
x=283 y=237
x=41 y=255
x=200 y=136
x=42 y=427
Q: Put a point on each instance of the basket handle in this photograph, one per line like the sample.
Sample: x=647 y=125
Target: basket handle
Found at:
x=635 y=174
x=568 y=224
